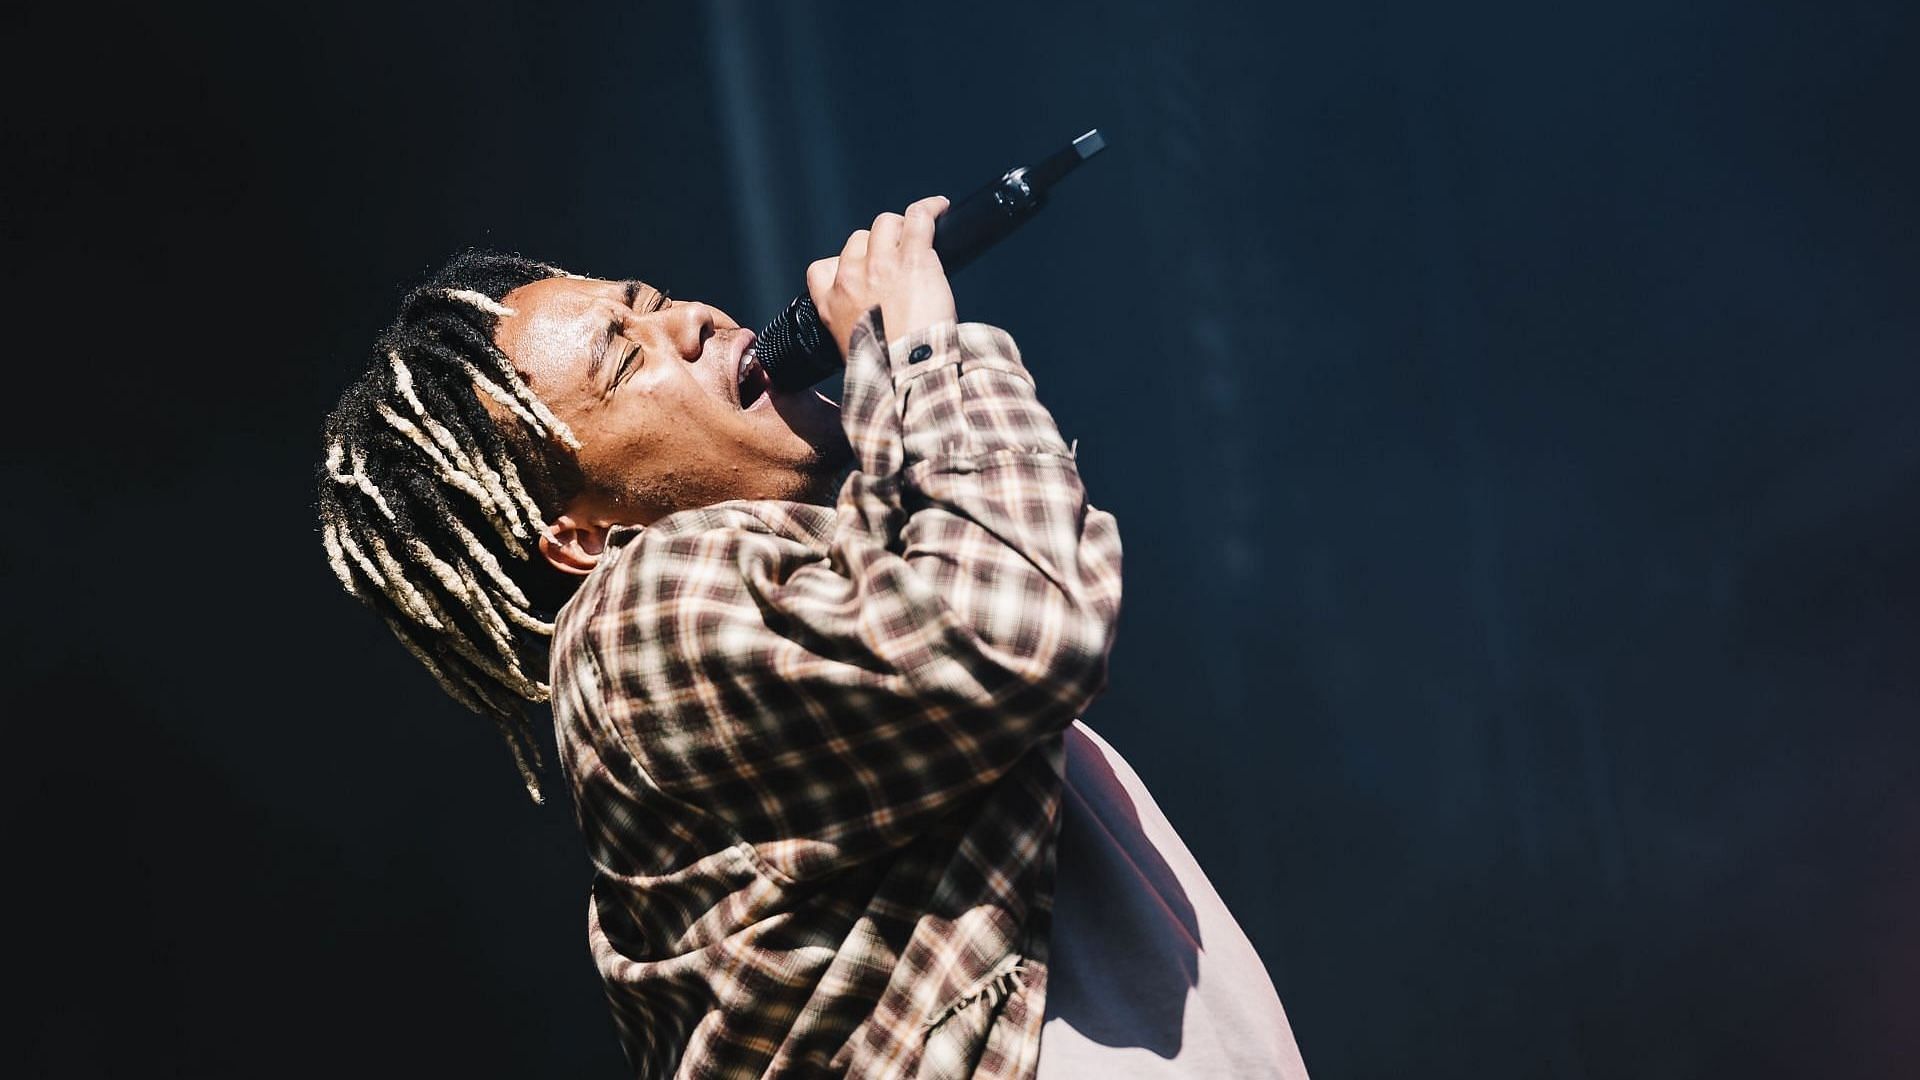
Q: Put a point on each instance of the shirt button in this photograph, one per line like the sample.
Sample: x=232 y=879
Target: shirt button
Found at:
x=919 y=353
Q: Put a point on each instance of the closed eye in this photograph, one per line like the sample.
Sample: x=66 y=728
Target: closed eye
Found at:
x=620 y=373
x=660 y=301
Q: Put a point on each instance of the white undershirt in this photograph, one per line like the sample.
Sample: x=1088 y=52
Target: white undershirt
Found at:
x=1149 y=976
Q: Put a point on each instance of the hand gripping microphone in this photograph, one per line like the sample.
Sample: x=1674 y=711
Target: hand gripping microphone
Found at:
x=796 y=351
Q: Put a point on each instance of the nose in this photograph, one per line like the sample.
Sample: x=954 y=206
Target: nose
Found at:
x=690 y=323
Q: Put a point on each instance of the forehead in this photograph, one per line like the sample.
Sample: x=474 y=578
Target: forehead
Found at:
x=556 y=324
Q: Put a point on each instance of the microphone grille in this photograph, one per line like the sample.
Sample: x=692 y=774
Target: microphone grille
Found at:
x=790 y=348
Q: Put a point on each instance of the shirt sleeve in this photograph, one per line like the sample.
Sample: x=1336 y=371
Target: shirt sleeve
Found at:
x=828 y=702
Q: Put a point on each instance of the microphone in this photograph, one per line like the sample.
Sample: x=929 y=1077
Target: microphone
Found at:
x=795 y=349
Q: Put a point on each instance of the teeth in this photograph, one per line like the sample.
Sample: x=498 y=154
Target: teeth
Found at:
x=747 y=364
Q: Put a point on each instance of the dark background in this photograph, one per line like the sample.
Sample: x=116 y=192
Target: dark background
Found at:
x=1509 y=413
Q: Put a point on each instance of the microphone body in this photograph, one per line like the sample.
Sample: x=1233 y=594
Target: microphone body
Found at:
x=795 y=349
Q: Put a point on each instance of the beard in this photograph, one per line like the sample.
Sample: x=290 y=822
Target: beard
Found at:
x=834 y=479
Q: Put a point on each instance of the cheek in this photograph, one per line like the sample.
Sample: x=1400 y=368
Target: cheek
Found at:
x=606 y=440
x=628 y=434
x=677 y=412
x=649 y=429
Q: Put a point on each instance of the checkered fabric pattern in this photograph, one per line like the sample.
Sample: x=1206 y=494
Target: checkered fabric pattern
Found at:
x=816 y=753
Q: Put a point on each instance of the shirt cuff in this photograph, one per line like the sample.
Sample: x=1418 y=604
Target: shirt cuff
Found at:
x=926 y=349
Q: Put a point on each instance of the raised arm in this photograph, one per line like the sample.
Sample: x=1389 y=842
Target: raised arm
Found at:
x=828 y=692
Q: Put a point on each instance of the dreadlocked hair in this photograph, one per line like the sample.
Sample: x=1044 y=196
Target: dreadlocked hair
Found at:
x=430 y=509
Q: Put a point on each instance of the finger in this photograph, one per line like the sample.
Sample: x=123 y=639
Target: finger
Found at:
x=820 y=274
x=886 y=233
x=918 y=232
x=856 y=246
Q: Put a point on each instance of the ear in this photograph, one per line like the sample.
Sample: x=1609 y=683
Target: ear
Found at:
x=573 y=545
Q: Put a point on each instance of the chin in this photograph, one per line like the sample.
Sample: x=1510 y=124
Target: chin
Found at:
x=824 y=477
x=815 y=420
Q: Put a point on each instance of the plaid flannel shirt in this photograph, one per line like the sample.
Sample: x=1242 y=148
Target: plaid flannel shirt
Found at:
x=816 y=753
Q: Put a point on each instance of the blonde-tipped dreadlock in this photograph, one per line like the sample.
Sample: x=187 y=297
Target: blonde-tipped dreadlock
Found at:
x=429 y=507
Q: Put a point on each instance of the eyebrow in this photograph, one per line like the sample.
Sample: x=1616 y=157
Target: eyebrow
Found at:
x=630 y=289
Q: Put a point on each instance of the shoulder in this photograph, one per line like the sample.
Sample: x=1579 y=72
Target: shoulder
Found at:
x=689 y=555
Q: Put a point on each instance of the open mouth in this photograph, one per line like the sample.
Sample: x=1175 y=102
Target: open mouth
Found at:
x=753 y=378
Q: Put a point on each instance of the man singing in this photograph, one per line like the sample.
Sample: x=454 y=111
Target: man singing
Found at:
x=815 y=672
